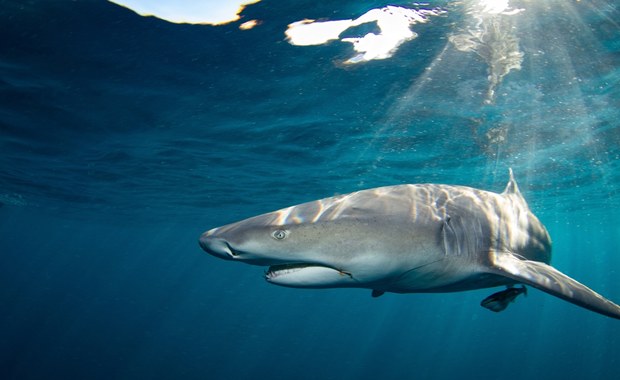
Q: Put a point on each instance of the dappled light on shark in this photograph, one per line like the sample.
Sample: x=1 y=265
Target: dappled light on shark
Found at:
x=406 y=239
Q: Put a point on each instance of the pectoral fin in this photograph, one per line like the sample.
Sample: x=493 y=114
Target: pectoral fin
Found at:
x=552 y=281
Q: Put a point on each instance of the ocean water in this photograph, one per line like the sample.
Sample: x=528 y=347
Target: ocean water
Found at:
x=124 y=137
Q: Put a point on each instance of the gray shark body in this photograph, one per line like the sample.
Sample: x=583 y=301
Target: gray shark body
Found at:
x=404 y=239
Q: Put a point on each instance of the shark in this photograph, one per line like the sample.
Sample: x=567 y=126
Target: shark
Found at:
x=411 y=238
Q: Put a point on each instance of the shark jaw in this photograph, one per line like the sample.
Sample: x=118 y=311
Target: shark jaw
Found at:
x=303 y=275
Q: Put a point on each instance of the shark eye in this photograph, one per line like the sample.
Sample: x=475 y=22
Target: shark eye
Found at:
x=279 y=234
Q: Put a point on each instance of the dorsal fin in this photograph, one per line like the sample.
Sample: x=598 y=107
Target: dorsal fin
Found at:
x=511 y=187
x=512 y=191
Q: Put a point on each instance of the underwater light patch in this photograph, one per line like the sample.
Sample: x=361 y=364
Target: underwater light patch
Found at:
x=212 y=12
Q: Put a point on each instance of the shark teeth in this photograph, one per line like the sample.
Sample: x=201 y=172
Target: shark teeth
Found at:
x=282 y=269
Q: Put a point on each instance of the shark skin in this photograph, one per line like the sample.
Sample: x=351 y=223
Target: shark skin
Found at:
x=424 y=238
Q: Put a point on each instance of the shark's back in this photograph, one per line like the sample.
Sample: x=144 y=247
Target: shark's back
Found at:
x=472 y=222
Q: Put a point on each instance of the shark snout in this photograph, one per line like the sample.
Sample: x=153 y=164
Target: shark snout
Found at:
x=216 y=246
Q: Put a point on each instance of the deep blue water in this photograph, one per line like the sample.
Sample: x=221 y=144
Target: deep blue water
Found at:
x=123 y=137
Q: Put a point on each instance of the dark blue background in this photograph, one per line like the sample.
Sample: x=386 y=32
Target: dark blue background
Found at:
x=122 y=138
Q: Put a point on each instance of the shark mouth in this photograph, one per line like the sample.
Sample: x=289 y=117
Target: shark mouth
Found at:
x=303 y=275
x=284 y=269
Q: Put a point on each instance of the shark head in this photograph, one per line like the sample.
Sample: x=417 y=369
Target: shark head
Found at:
x=296 y=253
x=300 y=254
x=323 y=244
x=262 y=240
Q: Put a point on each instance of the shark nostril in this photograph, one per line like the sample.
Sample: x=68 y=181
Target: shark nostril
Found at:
x=204 y=243
x=216 y=246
